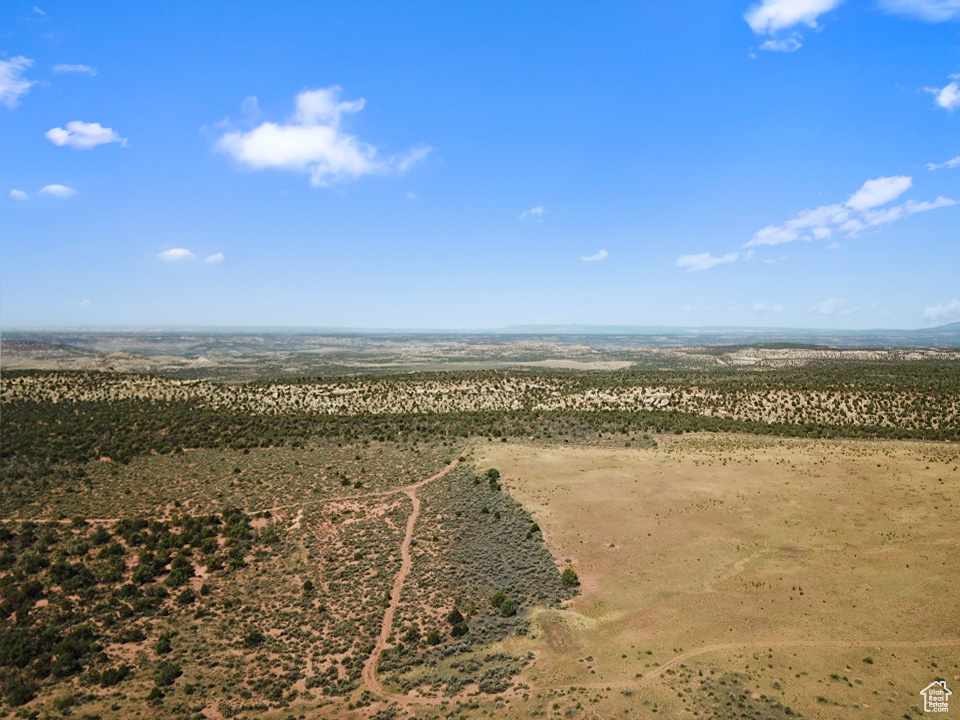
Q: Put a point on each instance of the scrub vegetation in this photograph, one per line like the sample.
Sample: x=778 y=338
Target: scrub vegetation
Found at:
x=506 y=543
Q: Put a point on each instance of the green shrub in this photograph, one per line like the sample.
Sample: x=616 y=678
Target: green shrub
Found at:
x=253 y=638
x=114 y=676
x=459 y=630
x=167 y=673
x=163 y=644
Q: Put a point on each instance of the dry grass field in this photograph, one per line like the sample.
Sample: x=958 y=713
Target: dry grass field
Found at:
x=820 y=575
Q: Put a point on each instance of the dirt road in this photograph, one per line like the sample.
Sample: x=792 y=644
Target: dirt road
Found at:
x=370 y=680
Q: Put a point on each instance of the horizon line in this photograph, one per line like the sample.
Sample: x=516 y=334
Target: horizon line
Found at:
x=524 y=328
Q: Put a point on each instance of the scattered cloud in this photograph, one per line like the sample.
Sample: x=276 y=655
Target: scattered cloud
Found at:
x=411 y=158
x=84 y=136
x=949 y=164
x=875 y=193
x=83 y=303
x=704 y=261
x=833 y=306
x=18 y=195
x=943 y=312
x=765 y=308
x=833 y=246
x=411 y=196
x=215 y=259
x=57 y=191
x=75 y=70
x=532 y=212
x=250 y=107
x=859 y=213
x=176 y=255
x=947 y=97
x=12 y=83
x=314 y=142
x=770 y=16
x=38 y=11
x=598 y=257
x=784 y=45
x=930 y=10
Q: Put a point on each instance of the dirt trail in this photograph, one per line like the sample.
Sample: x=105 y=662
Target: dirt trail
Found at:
x=369 y=675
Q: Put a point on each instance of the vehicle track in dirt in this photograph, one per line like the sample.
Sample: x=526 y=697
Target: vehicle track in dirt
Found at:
x=369 y=674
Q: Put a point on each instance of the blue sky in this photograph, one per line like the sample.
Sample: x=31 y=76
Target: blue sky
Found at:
x=791 y=163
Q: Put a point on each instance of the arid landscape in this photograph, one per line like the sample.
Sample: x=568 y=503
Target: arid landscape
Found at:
x=479 y=361
x=755 y=540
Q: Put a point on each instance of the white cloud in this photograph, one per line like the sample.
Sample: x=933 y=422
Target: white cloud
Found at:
x=176 y=254
x=57 y=191
x=18 y=195
x=929 y=10
x=880 y=218
x=75 y=69
x=83 y=303
x=943 y=312
x=215 y=259
x=875 y=193
x=411 y=196
x=833 y=246
x=532 y=212
x=784 y=45
x=765 y=308
x=833 y=306
x=769 y=16
x=250 y=107
x=704 y=261
x=949 y=164
x=413 y=157
x=598 y=257
x=858 y=214
x=84 y=136
x=313 y=142
x=947 y=97
x=12 y=83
